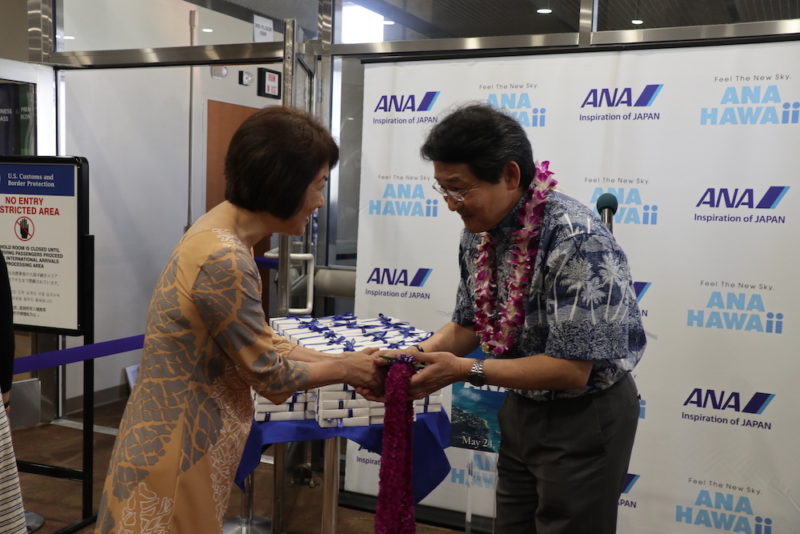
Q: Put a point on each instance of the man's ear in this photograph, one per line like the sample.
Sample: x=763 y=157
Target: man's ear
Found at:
x=511 y=175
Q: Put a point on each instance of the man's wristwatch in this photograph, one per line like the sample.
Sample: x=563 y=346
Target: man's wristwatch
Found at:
x=476 y=376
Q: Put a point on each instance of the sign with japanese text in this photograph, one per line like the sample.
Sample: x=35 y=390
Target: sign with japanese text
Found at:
x=39 y=236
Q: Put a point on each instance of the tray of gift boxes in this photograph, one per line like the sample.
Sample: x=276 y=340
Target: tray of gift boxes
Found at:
x=339 y=404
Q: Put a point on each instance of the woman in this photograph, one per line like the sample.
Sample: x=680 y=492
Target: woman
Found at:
x=207 y=342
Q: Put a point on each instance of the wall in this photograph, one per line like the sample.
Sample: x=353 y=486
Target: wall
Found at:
x=133 y=126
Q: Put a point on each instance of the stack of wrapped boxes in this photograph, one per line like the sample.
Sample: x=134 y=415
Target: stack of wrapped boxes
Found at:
x=338 y=404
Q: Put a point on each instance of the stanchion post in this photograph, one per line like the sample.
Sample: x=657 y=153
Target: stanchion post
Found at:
x=88 y=381
x=279 y=485
x=330 y=486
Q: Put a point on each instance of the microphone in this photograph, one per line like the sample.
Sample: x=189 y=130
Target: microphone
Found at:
x=607 y=207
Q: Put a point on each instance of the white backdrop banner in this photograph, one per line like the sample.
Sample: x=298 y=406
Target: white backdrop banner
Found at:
x=702 y=149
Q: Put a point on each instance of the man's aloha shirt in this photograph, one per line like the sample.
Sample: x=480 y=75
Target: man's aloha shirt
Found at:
x=581 y=304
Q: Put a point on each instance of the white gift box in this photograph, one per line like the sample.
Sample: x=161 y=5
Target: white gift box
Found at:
x=277 y=408
x=339 y=404
x=347 y=421
x=335 y=387
x=284 y=416
x=337 y=395
x=342 y=413
x=278 y=324
x=378 y=419
x=428 y=409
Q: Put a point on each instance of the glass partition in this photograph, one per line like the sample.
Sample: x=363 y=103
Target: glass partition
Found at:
x=123 y=24
x=17 y=118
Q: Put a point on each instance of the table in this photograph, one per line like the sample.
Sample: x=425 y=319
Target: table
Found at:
x=431 y=433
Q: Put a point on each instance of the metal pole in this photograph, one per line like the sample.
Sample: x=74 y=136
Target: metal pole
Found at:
x=288 y=100
x=330 y=486
x=587 y=23
x=279 y=486
x=192 y=27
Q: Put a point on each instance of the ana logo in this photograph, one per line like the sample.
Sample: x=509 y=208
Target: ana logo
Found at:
x=404 y=200
x=518 y=106
x=724 y=197
x=723 y=511
x=711 y=399
x=736 y=311
x=630 y=480
x=403 y=103
x=641 y=289
x=398 y=277
x=630 y=210
x=748 y=105
x=614 y=98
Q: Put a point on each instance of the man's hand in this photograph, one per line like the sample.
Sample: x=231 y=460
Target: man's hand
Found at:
x=441 y=369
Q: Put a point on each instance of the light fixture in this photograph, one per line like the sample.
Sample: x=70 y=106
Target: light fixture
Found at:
x=388 y=22
x=207 y=30
x=545 y=10
x=636 y=19
x=69 y=37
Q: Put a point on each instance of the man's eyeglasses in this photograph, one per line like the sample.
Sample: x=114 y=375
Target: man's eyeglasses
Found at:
x=457 y=195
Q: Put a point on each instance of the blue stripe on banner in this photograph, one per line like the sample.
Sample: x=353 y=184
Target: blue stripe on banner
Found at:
x=428 y=101
x=55 y=358
x=649 y=95
x=772 y=197
x=758 y=403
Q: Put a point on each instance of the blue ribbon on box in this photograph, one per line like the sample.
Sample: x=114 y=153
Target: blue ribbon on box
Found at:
x=389 y=323
x=431 y=435
x=379 y=336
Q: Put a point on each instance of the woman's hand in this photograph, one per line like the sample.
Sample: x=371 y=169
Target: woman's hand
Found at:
x=362 y=370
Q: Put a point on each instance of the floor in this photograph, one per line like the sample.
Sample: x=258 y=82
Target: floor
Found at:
x=59 y=501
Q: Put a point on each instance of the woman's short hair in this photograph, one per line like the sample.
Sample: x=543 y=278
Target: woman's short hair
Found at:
x=483 y=138
x=273 y=157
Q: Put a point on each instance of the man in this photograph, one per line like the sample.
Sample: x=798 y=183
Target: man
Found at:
x=545 y=290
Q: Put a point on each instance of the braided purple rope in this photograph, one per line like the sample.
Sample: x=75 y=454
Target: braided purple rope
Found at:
x=395 y=510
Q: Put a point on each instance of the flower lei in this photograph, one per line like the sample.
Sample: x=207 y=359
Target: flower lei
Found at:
x=394 y=513
x=498 y=329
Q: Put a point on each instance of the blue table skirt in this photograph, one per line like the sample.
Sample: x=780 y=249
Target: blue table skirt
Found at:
x=431 y=437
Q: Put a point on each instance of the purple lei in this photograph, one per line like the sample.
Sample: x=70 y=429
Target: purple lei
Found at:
x=394 y=513
x=496 y=325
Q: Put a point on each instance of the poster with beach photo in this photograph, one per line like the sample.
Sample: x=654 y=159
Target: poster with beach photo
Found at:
x=473 y=415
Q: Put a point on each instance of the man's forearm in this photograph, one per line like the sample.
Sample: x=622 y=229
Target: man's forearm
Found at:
x=452 y=337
